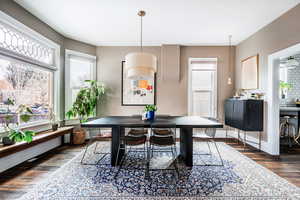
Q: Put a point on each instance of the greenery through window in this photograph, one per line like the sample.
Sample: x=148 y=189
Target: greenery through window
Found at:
x=25 y=84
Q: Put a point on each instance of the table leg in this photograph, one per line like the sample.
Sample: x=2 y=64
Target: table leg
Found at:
x=186 y=145
x=117 y=132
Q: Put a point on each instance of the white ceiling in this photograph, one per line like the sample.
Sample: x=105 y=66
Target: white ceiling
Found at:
x=185 y=22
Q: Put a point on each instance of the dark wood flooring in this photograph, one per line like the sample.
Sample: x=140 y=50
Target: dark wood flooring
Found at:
x=16 y=181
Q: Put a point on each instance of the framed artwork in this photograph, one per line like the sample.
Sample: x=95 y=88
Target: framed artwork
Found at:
x=137 y=92
x=250 y=73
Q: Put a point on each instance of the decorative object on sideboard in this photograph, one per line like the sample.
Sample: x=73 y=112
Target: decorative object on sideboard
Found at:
x=250 y=73
x=85 y=107
x=140 y=65
x=137 y=92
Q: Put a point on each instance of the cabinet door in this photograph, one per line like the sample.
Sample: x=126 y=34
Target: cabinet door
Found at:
x=239 y=114
x=228 y=112
x=254 y=116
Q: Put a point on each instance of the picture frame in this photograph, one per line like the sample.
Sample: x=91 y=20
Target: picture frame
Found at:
x=137 y=92
x=250 y=67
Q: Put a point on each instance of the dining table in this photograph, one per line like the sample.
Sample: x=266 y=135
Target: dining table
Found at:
x=185 y=124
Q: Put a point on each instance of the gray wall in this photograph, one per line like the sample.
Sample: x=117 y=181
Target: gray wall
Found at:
x=171 y=95
x=280 y=34
x=19 y=13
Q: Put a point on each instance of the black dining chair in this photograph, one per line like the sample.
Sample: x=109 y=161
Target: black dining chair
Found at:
x=98 y=136
x=132 y=142
x=209 y=137
x=137 y=131
x=163 y=139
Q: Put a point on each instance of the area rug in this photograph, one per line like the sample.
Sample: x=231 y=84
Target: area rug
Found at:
x=238 y=178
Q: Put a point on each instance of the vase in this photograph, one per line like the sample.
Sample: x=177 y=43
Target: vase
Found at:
x=54 y=127
x=6 y=141
x=150 y=115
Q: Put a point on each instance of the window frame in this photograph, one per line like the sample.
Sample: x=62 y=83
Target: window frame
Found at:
x=55 y=68
x=190 y=86
x=68 y=54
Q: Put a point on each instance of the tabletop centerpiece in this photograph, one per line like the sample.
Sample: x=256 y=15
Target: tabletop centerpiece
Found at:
x=150 y=111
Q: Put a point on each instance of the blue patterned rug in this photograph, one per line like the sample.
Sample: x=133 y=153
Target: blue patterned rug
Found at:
x=199 y=180
x=239 y=178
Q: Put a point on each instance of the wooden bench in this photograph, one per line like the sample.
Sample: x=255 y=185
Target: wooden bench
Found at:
x=38 y=139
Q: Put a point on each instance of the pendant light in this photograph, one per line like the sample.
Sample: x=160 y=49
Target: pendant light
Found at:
x=229 y=80
x=140 y=65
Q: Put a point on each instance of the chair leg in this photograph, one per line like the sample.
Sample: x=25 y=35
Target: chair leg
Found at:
x=222 y=163
x=121 y=163
x=96 y=147
x=174 y=152
x=210 y=152
x=83 y=156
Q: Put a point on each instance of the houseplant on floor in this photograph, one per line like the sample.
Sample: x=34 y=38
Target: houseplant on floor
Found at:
x=11 y=124
x=84 y=106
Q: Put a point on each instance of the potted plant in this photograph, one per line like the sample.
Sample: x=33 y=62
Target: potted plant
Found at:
x=150 y=110
x=284 y=87
x=11 y=125
x=84 y=106
x=52 y=119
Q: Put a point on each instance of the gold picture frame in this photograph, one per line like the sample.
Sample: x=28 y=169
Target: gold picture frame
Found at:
x=250 y=67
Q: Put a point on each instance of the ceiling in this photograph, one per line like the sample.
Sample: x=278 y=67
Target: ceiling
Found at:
x=185 y=22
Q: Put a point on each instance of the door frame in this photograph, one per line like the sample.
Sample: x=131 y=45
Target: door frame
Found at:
x=215 y=103
x=273 y=101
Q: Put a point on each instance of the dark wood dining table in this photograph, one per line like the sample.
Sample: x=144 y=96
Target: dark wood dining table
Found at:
x=186 y=124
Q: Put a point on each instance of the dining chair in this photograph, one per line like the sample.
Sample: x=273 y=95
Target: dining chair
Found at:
x=137 y=131
x=132 y=142
x=163 y=139
x=99 y=136
x=209 y=135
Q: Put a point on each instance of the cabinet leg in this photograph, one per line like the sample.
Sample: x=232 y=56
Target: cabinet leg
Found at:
x=244 y=140
x=226 y=133
x=259 y=145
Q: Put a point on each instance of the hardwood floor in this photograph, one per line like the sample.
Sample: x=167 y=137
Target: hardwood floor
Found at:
x=16 y=181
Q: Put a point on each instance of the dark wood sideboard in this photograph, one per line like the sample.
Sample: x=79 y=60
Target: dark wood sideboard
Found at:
x=246 y=115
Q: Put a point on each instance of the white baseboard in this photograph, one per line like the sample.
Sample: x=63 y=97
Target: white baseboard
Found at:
x=264 y=145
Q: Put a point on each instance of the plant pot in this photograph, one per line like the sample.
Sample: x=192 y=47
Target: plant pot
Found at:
x=6 y=141
x=79 y=135
x=54 y=127
x=150 y=115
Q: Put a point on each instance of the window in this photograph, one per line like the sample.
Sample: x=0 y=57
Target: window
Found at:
x=79 y=67
x=28 y=72
x=203 y=87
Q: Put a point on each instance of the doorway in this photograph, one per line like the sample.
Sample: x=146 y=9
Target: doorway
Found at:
x=202 y=87
x=273 y=98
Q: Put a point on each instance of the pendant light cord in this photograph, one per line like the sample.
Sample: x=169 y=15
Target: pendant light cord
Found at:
x=141 y=44
x=230 y=55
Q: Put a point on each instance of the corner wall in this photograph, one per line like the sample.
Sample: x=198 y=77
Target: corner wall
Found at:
x=280 y=34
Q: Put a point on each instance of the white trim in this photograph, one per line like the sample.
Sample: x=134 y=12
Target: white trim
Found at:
x=273 y=97
x=68 y=54
x=79 y=54
x=56 y=72
x=215 y=112
x=26 y=30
